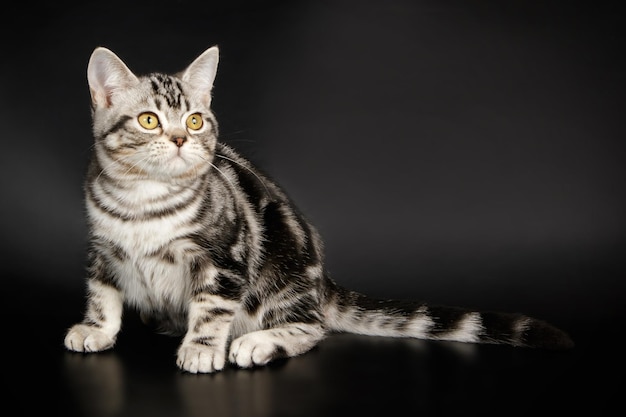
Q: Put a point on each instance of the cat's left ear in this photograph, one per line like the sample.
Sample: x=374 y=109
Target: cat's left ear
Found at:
x=201 y=74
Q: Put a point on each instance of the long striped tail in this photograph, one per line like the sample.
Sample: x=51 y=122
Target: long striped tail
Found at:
x=352 y=312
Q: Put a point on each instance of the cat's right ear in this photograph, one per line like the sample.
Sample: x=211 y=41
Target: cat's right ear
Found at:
x=107 y=74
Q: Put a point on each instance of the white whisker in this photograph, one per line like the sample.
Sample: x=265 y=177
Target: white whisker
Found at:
x=223 y=175
x=142 y=160
x=218 y=170
x=113 y=162
x=251 y=171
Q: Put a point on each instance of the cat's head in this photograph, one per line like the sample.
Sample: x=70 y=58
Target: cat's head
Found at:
x=156 y=126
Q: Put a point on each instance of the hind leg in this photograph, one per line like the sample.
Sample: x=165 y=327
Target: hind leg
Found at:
x=263 y=346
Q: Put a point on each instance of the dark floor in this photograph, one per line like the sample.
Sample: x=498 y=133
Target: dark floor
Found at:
x=346 y=375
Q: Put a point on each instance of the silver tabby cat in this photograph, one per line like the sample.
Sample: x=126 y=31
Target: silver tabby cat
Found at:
x=203 y=245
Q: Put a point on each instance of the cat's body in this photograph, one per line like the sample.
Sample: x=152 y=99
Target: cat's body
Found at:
x=202 y=244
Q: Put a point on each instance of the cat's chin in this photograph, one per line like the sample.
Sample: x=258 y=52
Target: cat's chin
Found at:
x=180 y=168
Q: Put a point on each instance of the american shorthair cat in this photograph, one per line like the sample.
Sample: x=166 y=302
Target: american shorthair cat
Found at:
x=205 y=246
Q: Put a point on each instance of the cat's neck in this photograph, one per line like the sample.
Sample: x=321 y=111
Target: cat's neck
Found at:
x=144 y=191
x=135 y=195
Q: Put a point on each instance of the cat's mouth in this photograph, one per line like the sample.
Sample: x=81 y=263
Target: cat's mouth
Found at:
x=179 y=154
x=181 y=163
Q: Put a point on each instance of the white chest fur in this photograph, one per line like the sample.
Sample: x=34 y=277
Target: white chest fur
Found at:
x=154 y=273
x=151 y=283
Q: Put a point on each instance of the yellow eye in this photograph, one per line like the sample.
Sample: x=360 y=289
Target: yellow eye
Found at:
x=194 y=121
x=148 y=120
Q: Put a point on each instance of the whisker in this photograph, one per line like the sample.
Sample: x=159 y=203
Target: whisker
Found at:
x=223 y=175
x=113 y=162
x=229 y=140
x=235 y=132
x=145 y=159
x=250 y=170
x=218 y=170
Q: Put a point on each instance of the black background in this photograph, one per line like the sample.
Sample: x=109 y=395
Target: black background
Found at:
x=466 y=153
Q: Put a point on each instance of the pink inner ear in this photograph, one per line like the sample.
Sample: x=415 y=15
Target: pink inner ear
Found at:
x=107 y=99
x=106 y=74
x=102 y=98
x=206 y=99
x=201 y=74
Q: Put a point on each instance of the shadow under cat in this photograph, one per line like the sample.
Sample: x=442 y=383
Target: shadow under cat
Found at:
x=331 y=380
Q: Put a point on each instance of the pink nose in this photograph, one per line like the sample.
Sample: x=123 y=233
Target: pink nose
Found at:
x=179 y=141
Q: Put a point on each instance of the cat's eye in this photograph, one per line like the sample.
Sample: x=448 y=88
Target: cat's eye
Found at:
x=148 y=120
x=194 y=121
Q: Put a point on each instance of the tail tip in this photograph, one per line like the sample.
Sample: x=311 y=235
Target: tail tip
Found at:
x=543 y=335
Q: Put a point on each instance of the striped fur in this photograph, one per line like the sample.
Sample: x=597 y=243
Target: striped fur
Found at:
x=205 y=246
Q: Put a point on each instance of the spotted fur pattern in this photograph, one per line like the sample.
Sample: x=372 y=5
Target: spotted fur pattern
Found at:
x=205 y=246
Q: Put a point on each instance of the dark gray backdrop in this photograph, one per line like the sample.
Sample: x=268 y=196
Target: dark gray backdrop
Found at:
x=462 y=152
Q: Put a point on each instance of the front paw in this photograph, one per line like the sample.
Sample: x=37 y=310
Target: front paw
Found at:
x=198 y=358
x=85 y=338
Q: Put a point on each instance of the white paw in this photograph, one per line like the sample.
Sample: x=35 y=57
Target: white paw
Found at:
x=196 y=358
x=84 y=338
x=254 y=349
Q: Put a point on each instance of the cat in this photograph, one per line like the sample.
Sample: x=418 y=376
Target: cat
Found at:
x=208 y=248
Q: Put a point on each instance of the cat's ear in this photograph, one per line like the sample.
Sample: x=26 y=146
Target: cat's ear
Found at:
x=107 y=74
x=201 y=73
